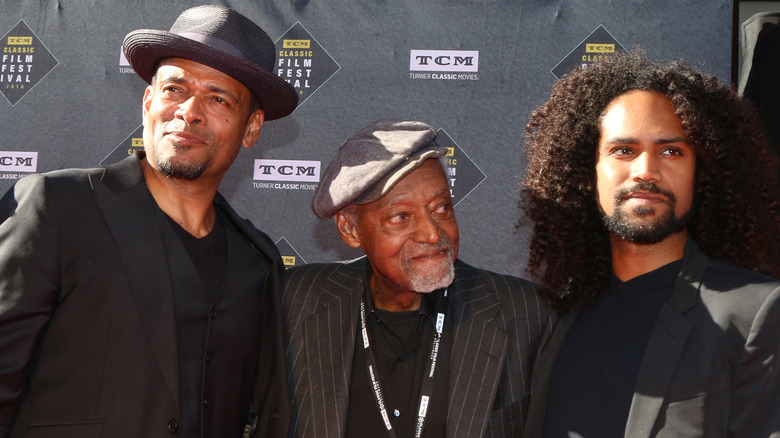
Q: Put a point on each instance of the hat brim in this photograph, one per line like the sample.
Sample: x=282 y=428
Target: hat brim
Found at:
x=144 y=48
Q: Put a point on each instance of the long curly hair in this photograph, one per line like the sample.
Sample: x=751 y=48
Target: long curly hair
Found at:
x=736 y=191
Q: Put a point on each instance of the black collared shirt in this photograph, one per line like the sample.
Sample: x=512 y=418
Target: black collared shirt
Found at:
x=401 y=342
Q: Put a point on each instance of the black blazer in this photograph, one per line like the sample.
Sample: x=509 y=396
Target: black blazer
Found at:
x=87 y=337
x=498 y=323
x=712 y=366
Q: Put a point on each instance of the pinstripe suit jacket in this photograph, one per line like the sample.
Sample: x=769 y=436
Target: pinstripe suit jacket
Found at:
x=498 y=323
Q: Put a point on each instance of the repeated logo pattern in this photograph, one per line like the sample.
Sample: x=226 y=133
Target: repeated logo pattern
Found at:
x=599 y=45
x=131 y=143
x=463 y=174
x=447 y=65
x=303 y=62
x=24 y=61
x=290 y=256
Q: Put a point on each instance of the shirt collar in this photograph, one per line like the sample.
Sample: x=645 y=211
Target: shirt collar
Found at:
x=428 y=302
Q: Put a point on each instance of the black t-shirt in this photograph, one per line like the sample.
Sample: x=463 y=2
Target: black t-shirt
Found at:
x=209 y=254
x=401 y=342
x=593 y=379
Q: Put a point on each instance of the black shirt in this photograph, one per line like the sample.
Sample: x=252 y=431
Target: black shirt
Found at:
x=209 y=258
x=209 y=254
x=593 y=379
x=216 y=283
x=401 y=342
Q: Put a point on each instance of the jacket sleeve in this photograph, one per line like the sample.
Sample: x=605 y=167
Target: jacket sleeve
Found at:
x=29 y=283
x=755 y=401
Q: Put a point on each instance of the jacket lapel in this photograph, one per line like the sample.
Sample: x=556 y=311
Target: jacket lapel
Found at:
x=667 y=343
x=478 y=353
x=540 y=377
x=330 y=333
x=128 y=209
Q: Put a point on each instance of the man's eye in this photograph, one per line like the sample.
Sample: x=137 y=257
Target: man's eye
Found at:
x=671 y=151
x=444 y=208
x=398 y=218
x=622 y=151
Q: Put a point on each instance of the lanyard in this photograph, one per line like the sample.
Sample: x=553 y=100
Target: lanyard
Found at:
x=427 y=384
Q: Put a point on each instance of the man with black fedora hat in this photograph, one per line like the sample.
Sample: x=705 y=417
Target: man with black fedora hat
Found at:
x=134 y=301
x=407 y=341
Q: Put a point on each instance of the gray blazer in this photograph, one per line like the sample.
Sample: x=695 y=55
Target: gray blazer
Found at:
x=498 y=323
x=712 y=366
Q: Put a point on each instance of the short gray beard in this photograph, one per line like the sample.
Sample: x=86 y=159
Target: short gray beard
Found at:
x=429 y=280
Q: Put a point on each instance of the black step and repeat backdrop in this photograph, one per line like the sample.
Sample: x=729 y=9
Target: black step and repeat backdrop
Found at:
x=474 y=69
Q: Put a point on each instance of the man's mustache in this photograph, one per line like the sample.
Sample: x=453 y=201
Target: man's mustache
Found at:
x=643 y=186
x=421 y=249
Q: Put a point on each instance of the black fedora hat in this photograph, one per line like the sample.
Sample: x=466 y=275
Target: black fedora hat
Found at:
x=220 y=38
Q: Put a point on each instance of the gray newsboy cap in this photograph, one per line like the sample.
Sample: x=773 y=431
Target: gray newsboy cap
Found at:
x=371 y=162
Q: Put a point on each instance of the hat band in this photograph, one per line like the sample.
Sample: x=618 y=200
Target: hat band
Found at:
x=214 y=42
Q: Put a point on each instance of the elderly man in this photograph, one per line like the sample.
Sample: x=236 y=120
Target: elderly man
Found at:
x=408 y=340
x=650 y=189
x=131 y=296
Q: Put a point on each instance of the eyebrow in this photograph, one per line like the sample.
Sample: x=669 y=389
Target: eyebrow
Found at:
x=632 y=140
x=173 y=80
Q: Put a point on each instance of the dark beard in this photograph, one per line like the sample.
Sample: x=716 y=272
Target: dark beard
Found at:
x=182 y=171
x=645 y=233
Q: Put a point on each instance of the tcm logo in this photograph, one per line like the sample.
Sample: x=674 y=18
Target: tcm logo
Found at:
x=600 y=48
x=18 y=161
x=20 y=41
x=296 y=44
x=287 y=170
x=444 y=60
x=288 y=260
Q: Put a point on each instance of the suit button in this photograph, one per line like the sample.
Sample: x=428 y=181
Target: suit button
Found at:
x=205 y=403
x=173 y=426
x=214 y=314
x=209 y=359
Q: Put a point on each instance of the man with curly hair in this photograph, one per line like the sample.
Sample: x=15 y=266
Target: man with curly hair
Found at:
x=655 y=235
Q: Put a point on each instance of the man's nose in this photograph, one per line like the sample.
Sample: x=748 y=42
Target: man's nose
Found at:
x=190 y=111
x=645 y=168
x=426 y=229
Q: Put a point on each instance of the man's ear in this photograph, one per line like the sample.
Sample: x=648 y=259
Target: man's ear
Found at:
x=146 y=103
x=347 y=230
x=253 y=128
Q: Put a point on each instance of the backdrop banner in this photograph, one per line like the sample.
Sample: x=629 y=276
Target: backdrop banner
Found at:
x=474 y=69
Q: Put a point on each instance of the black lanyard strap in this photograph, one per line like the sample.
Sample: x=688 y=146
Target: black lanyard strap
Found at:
x=426 y=389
